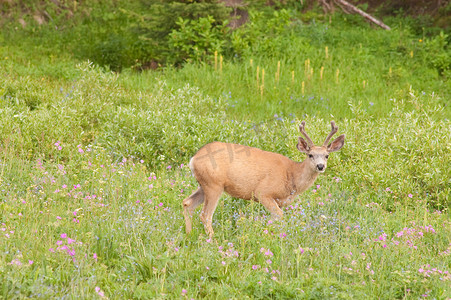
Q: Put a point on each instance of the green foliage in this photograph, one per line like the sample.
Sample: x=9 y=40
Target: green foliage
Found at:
x=263 y=35
x=437 y=52
x=197 y=40
x=159 y=21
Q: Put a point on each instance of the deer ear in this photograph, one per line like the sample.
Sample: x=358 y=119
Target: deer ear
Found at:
x=303 y=146
x=336 y=144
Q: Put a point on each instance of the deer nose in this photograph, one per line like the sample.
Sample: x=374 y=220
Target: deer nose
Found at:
x=320 y=167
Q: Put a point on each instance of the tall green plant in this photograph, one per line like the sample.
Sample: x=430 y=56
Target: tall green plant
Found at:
x=195 y=40
x=159 y=18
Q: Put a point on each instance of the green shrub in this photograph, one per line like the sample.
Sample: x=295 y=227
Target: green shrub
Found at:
x=197 y=40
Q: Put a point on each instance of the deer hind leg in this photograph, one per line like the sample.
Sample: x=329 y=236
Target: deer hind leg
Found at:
x=272 y=207
x=212 y=194
x=190 y=204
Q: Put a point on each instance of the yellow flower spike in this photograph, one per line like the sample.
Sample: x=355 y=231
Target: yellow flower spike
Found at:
x=258 y=80
x=303 y=88
x=327 y=52
x=216 y=60
x=337 y=74
x=321 y=73
x=220 y=63
x=292 y=77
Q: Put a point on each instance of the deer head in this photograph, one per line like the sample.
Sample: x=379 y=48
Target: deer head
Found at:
x=318 y=155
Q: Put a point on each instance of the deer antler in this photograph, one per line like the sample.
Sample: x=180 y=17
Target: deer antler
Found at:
x=332 y=132
x=302 y=130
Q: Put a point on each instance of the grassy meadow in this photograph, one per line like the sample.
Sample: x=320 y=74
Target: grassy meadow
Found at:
x=93 y=170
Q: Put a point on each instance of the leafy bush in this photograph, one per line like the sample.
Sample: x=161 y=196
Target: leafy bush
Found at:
x=438 y=52
x=158 y=19
x=263 y=35
x=197 y=40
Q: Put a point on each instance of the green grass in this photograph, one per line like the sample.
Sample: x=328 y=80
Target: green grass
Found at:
x=91 y=175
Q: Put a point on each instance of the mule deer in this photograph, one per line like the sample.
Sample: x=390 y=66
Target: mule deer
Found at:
x=253 y=174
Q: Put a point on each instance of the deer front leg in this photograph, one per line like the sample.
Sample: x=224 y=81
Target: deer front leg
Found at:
x=271 y=205
x=211 y=198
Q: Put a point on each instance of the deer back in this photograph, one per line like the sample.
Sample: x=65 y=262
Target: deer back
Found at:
x=241 y=170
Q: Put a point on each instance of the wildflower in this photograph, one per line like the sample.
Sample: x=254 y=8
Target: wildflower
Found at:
x=15 y=262
x=30 y=262
x=63 y=235
x=184 y=292
x=255 y=267
x=58 y=217
x=94 y=256
x=59 y=243
x=269 y=261
x=100 y=292
x=169 y=167
x=223 y=263
x=410 y=195
x=70 y=241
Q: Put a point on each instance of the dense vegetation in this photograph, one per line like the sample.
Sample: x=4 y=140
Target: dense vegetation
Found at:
x=93 y=162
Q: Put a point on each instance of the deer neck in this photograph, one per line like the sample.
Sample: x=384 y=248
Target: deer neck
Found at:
x=303 y=176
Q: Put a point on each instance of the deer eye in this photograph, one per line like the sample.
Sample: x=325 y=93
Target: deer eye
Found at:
x=327 y=156
x=310 y=155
